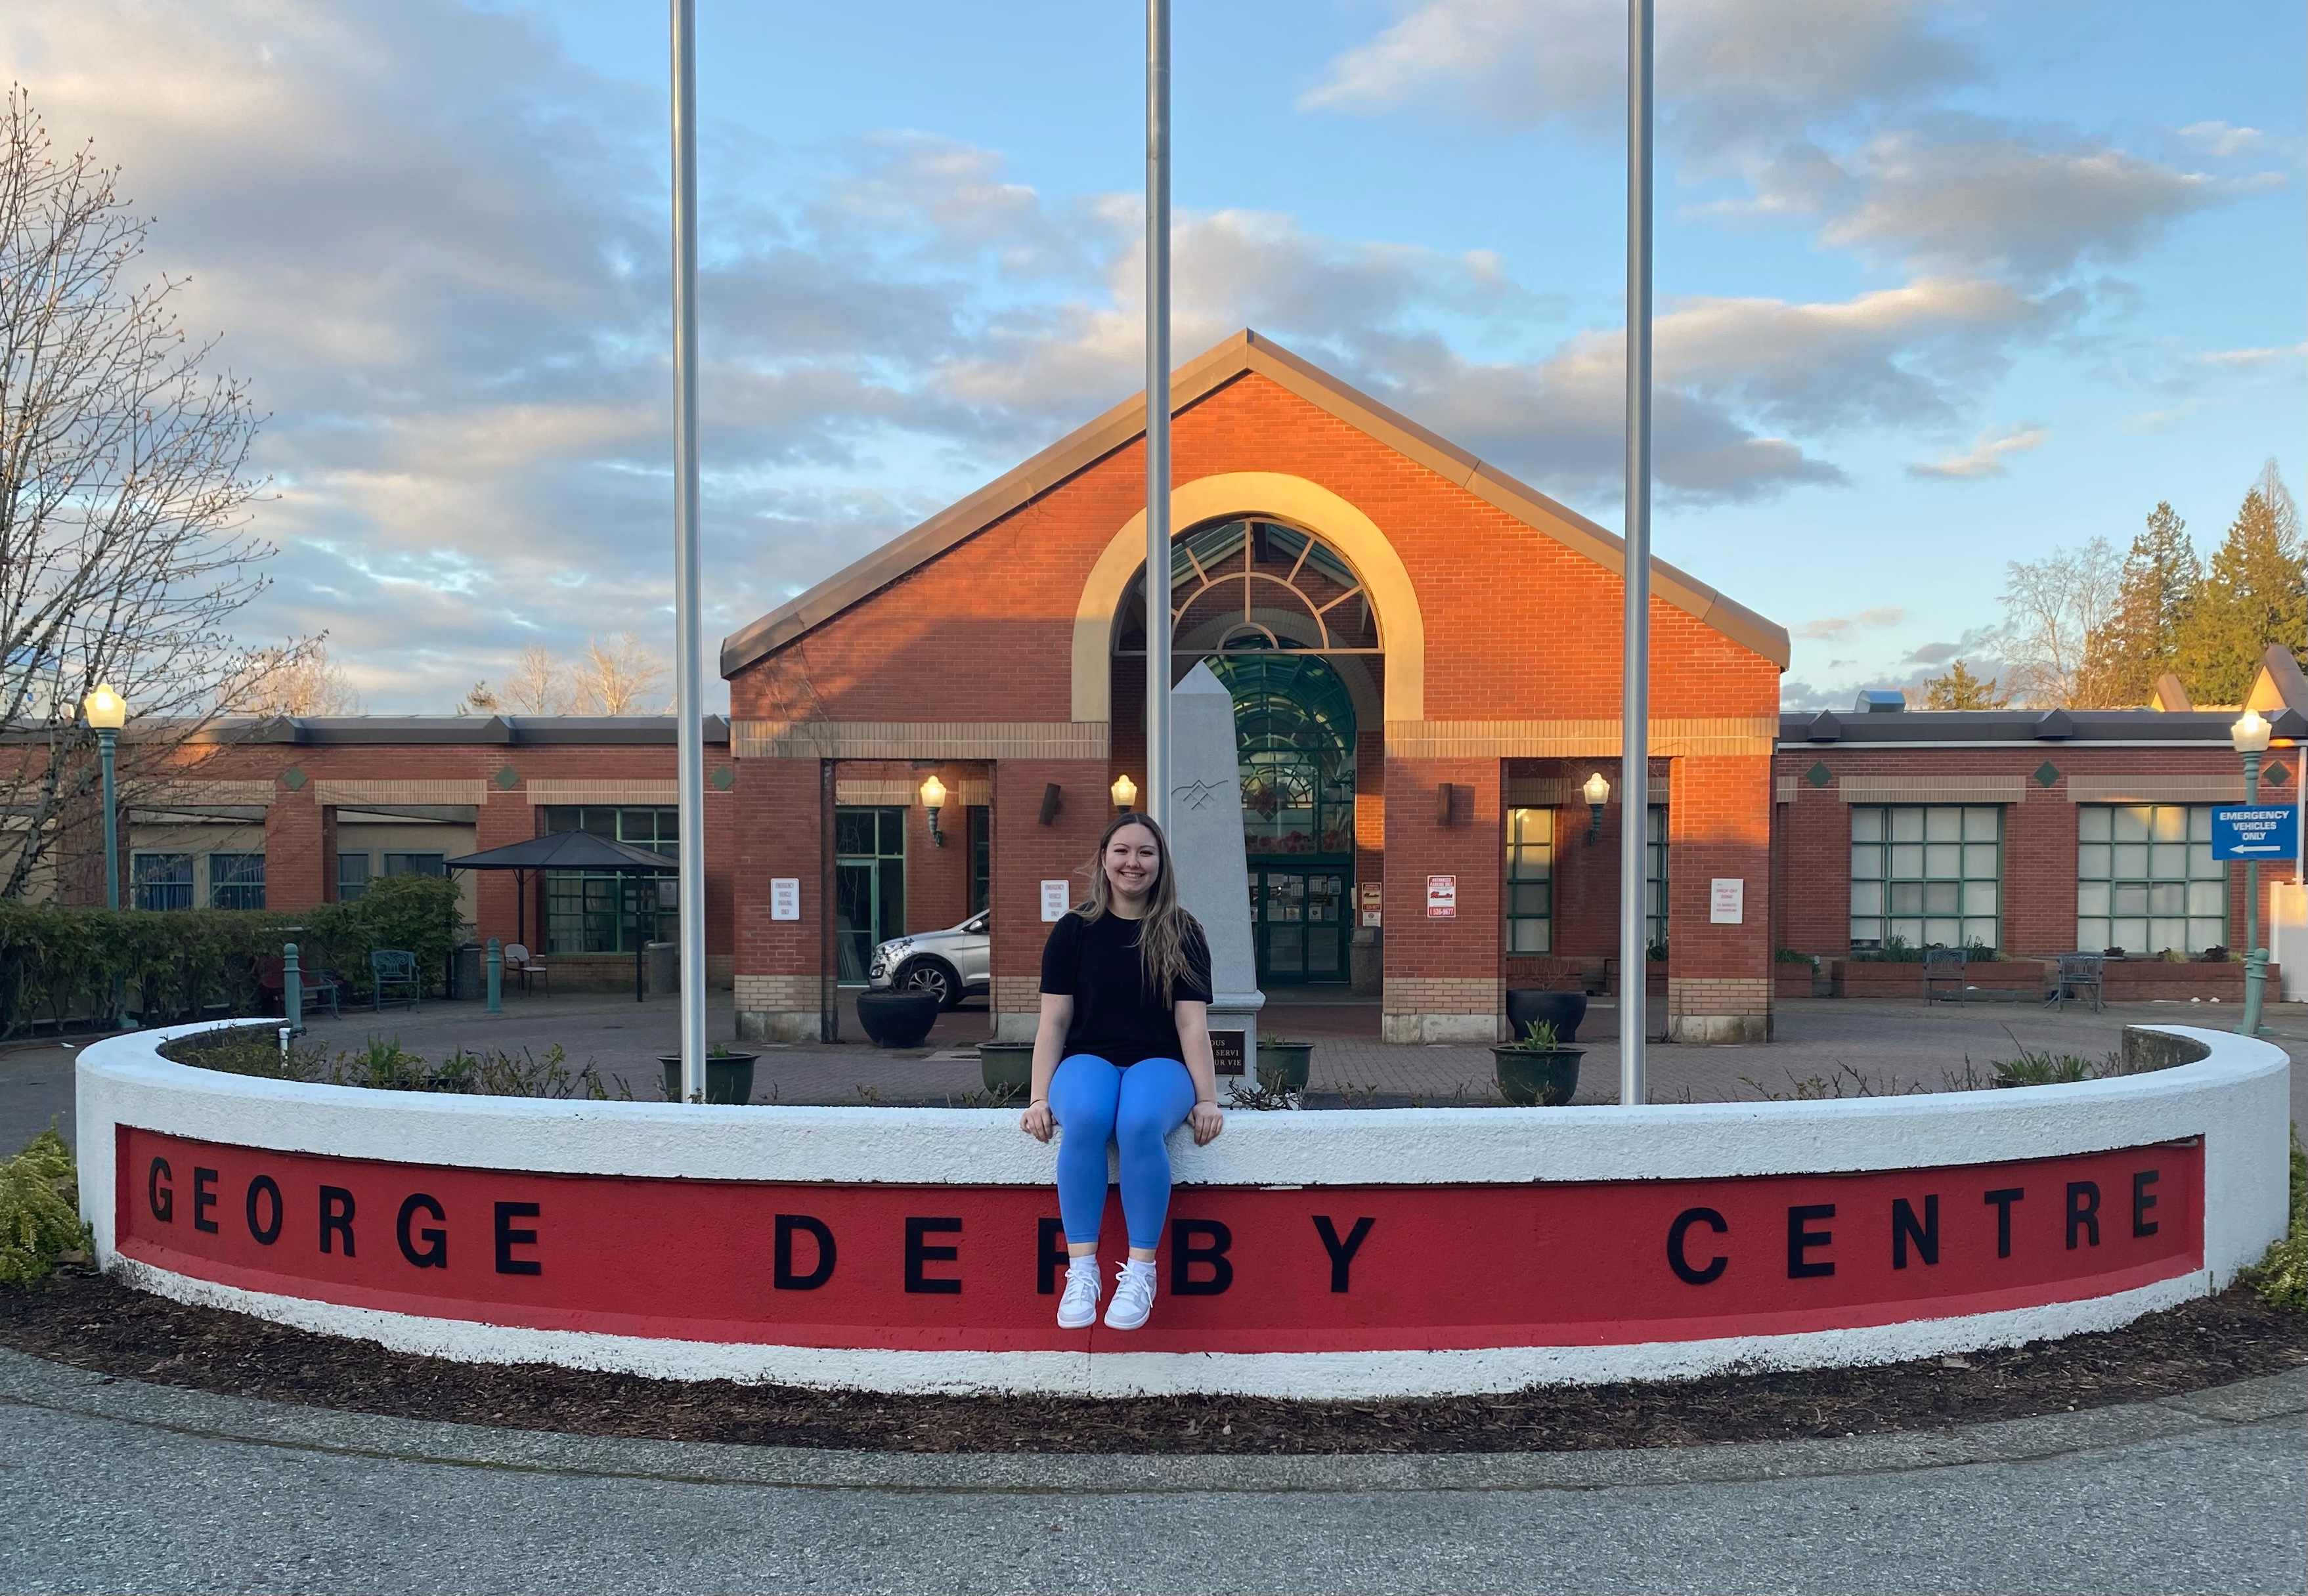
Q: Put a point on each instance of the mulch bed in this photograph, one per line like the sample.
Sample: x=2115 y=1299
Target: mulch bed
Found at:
x=92 y=1322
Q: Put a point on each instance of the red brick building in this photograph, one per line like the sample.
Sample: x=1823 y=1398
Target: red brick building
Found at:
x=1424 y=659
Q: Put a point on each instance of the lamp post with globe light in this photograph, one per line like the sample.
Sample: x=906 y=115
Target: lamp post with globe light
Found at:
x=2250 y=736
x=1124 y=792
x=107 y=713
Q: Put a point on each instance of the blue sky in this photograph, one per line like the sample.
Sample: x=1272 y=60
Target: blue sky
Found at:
x=1941 y=284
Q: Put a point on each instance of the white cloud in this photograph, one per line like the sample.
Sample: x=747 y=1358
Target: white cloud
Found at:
x=1840 y=627
x=1985 y=458
x=2270 y=355
x=2219 y=138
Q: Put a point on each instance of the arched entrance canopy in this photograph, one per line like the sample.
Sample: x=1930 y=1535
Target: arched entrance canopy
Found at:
x=1362 y=553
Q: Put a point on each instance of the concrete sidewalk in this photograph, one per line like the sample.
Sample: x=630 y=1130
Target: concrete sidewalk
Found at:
x=112 y=1484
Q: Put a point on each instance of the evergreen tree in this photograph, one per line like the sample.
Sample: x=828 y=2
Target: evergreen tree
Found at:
x=2255 y=594
x=1960 y=689
x=2155 y=594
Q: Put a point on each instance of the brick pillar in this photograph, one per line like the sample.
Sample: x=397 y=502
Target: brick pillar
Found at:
x=294 y=849
x=782 y=965
x=1441 y=980
x=1026 y=854
x=1719 y=985
x=506 y=818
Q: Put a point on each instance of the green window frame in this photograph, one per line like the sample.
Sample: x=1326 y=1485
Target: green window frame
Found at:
x=2146 y=879
x=352 y=876
x=160 y=881
x=1654 y=881
x=1926 y=875
x=1530 y=880
x=235 y=880
x=590 y=912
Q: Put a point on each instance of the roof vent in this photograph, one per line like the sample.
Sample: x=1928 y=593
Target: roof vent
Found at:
x=1880 y=700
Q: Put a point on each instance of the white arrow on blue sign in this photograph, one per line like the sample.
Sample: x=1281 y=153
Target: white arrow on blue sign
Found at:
x=2255 y=831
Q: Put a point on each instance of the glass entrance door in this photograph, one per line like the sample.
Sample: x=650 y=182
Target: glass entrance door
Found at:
x=869 y=885
x=1298 y=921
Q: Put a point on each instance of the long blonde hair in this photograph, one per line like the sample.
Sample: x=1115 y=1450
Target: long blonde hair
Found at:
x=1166 y=931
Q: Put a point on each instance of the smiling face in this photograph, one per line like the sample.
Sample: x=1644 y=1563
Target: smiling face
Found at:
x=1133 y=864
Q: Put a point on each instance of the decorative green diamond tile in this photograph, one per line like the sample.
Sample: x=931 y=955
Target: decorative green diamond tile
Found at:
x=1819 y=775
x=2276 y=773
x=723 y=778
x=506 y=777
x=293 y=778
x=2047 y=774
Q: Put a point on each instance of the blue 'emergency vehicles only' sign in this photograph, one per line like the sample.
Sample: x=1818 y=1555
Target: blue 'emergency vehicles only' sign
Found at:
x=2255 y=831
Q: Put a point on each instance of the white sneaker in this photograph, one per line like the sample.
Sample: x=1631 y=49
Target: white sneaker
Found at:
x=1133 y=1296
x=1079 y=1306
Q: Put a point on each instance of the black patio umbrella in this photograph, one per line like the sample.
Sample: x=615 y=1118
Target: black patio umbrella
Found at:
x=571 y=850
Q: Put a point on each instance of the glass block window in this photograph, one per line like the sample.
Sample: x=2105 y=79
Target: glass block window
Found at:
x=161 y=880
x=1927 y=874
x=1530 y=880
x=235 y=880
x=2146 y=879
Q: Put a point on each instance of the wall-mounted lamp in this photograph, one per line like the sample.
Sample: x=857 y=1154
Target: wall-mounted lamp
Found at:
x=1126 y=794
x=934 y=800
x=1597 y=793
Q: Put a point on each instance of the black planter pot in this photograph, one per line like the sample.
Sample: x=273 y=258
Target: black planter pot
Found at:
x=1562 y=1010
x=729 y=1078
x=1007 y=1066
x=897 y=1019
x=1284 y=1065
x=1532 y=1078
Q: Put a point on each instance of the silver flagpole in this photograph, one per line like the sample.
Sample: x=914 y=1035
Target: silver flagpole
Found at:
x=1635 y=759
x=1158 y=410
x=689 y=685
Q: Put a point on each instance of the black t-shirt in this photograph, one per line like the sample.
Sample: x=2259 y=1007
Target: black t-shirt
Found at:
x=1116 y=1016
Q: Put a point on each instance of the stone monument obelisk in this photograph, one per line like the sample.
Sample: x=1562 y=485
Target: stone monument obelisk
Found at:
x=1213 y=871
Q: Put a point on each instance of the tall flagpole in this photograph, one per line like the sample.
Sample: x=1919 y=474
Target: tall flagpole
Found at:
x=1158 y=410
x=1635 y=759
x=689 y=679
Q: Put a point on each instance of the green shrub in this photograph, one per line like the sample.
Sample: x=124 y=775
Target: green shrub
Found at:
x=39 y=1210
x=2281 y=1277
x=62 y=966
x=382 y=1064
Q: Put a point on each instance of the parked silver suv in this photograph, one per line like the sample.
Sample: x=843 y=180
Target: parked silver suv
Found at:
x=951 y=963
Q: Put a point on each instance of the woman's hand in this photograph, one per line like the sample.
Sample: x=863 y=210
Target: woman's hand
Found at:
x=1206 y=1122
x=1038 y=1122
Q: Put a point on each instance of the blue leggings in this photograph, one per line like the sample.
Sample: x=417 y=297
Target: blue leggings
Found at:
x=1095 y=1104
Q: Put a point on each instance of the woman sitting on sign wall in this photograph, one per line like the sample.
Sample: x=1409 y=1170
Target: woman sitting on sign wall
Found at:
x=1121 y=1055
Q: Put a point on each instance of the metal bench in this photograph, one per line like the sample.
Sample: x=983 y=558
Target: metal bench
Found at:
x=1943 y=966
x=396 y=969
x=2077 y=976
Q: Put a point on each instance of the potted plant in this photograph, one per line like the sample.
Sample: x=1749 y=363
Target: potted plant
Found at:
x=1283 y=1065
x=728 y=1076
x=899 y=1018
x=1007 y=1068
x=1537 y=1069
x=1562 y=1010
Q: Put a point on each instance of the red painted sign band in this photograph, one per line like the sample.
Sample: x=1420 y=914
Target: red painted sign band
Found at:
x=1243 y=1269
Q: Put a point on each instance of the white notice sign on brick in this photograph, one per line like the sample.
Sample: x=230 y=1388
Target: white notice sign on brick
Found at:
x=1726 y=902
x=1056 y=899
x=785 y=897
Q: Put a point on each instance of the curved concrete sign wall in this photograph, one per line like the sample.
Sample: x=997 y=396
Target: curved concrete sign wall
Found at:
x=1314 y=1253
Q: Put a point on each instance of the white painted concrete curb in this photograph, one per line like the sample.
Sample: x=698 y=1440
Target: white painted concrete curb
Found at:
x=2236 y=1099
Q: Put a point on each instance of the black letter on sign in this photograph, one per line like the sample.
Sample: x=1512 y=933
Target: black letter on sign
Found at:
x=2003 y=1200
x=203 y=1199
x=2142 y=1201
x=337 y=1215
x=1184 y=1255
x=1926 y=1235
x=163 y=1198
x=509 y=1238
x=2083 y=1214
x=436 y=1255
x=266 y=1233
x=784 y=1278
x=1801 y=1240
x=1676 y=1261
x=917 y=1254
x=1342 y=1253
x=1050 y=1254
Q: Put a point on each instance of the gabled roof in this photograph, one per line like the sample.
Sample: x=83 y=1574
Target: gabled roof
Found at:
x=1245 y=351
